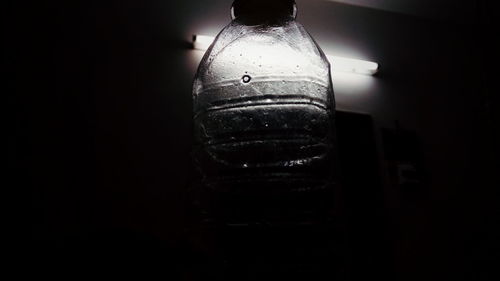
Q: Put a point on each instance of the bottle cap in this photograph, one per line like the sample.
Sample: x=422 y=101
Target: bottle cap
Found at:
x=263 y=8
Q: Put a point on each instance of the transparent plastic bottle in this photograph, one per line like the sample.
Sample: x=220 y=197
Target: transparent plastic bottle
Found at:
x=263 y=113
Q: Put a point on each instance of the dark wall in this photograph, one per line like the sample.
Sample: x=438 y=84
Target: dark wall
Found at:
x=102 y=138
x=102 y=127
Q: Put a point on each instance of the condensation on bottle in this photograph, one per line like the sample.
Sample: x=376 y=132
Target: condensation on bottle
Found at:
x=263 y=115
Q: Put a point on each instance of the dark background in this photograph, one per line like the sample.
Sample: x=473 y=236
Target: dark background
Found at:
x=102 y=132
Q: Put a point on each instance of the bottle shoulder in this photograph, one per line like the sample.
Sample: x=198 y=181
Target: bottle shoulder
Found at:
x=264 y=51
x=291 y=36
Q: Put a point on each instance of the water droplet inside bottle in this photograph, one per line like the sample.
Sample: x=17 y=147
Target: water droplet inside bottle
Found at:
x=246 y=78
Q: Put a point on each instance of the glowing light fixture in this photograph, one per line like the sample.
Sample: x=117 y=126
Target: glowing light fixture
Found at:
x=202 y=42
x=340 y=64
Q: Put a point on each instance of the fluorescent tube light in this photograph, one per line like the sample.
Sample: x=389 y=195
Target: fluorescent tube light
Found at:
x=202 y=42
x=340 y=64
x=353 y=65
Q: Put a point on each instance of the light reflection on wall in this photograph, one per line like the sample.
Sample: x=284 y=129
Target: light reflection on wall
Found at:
x=354 y=92
x=352 y=84
x=193 y=59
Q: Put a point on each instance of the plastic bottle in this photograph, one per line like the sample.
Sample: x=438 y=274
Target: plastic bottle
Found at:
x=263 y=117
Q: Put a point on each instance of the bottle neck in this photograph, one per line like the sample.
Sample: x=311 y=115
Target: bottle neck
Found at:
x=263 y=11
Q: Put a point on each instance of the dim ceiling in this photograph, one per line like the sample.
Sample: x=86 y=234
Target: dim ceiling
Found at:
x=446 y=10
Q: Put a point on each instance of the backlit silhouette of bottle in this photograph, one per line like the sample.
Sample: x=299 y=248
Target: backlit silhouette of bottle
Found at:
x=263 y=118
